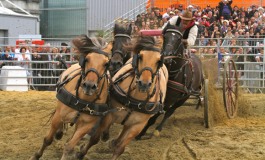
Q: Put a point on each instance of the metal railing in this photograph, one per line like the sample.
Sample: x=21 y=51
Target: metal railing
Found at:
x=251 y=77
x=130 y=15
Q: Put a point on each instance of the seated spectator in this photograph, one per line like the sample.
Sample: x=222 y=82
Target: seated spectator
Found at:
x=205 y=21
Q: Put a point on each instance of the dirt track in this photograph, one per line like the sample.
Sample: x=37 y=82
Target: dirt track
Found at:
x=24 y=114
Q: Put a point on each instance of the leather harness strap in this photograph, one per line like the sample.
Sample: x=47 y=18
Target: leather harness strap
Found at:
x=95 y=109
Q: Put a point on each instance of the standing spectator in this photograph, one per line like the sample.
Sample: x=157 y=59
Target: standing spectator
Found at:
x=23 y=59
x=225 y=9
x=138 y=21
x=157 y=13
x=7 y=55
x=252 y=11
x=36 y=72
x=240 y=58
x=166 y=16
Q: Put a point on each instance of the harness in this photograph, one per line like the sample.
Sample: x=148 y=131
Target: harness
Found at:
x=73 y=101
x=173 y=74
x=132 y=104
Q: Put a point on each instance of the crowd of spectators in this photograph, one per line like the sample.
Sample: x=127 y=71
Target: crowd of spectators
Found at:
x=240 y=29
x=39 y=62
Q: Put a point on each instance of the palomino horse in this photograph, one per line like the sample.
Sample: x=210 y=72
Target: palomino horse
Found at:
x=185 y=76
x=137 y=93
x=82 y=96
x=119 y=56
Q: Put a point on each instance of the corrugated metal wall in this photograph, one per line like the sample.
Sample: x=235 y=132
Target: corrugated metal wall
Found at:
x=63 y=18
x=102 y=12
x=68 y=18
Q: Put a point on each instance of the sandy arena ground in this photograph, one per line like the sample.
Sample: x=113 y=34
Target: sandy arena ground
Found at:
x=24 y=115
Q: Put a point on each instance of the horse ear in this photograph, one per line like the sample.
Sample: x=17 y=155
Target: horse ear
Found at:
x=129 y=29
x=135 y=60
x=115 y=28
x=164 y=30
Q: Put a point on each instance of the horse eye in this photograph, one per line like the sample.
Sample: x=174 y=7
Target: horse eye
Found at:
x=107 y=64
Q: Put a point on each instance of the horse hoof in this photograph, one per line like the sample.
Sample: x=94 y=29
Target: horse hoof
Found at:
x=112 y=144
x=80 y=155
x=59 y=135
x=105 y=137
x=156 y=133
x=33 y=158
x=138 y=137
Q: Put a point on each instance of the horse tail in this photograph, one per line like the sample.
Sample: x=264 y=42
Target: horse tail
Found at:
x=51 y=115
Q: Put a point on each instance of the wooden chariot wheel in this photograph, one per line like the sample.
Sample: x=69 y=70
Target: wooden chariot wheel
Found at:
x=230 y=88
x=205 y=104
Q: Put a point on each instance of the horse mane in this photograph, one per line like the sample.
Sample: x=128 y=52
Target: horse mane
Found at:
x=85 y=45
x=169 y=26
x=145 y=42
x=122 y=28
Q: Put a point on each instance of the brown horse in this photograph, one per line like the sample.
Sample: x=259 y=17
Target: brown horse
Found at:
x=82 y=94
x=137 y=93
x=119 y=56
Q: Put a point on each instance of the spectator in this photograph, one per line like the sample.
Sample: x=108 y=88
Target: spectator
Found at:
x=36 y=72
x=157 y=14
x=240 y=59
x=225 y=9
x=205 y=21
x=138 y=21
x=7 y=55
x=58 y=65
x=190 y=8
x=167 y=14
x=23 y=59
x=252 y=11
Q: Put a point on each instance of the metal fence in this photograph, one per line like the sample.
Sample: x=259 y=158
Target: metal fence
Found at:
x=248 y=55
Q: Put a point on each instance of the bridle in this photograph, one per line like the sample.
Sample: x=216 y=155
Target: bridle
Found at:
x=180 y=44
x=82 y=63
x=118 y=51
x=135 y=62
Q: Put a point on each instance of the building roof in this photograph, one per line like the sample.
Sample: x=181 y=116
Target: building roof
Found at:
x=6 y=11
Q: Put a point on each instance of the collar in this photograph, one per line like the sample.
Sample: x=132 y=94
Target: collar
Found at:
x=190 y=25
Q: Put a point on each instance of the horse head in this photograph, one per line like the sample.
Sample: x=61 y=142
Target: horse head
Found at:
x=94 y=63
x=172 y=44
x=146 y=62
x=122 y=37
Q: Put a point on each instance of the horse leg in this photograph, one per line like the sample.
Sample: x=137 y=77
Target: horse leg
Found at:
x=128 y=133
x=94 y=139
x=55 y=124
x=59 y=133
x=150 y=122
x=81 y=131
x=105 y=126
x=168 y=113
